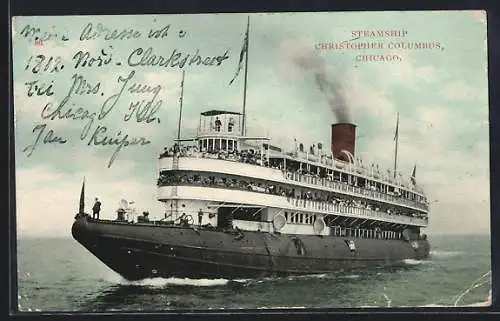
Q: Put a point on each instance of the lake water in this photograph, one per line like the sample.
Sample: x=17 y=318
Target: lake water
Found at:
x=58 y=274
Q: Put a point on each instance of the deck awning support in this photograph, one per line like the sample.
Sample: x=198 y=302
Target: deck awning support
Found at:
x=336 y=218
x=353 y=221
x=260 y=209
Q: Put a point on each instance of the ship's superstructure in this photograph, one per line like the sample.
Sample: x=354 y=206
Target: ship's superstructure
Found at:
x=225 y=180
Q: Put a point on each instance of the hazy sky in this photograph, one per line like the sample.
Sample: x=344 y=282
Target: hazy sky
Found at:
x=441 y=96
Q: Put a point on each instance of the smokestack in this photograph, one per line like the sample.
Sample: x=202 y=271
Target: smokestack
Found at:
x=343 y=139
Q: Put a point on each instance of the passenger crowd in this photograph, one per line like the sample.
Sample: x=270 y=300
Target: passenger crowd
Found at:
x=249 y=156
x=303 y=174
x=299 y=196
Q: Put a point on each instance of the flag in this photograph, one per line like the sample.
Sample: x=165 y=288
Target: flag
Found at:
x=397 y=129
x=244 y=51
x=82 y=198
x=413 y=180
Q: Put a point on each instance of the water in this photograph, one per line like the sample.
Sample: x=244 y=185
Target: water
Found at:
x=58 y=274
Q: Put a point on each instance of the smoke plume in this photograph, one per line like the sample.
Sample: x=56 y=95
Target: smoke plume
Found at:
x=310 y=61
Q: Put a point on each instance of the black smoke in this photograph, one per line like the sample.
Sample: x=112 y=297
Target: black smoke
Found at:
x=330 y=86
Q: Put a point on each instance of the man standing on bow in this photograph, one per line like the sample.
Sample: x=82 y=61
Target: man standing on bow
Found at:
x=96 y=209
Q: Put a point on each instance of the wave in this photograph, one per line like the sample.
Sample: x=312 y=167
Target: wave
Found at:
x=412 y=261
x=351 y=276
x=300 y=277
x=162 y=282
x=445 y=253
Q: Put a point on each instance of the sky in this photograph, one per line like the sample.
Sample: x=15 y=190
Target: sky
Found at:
x=440 y=94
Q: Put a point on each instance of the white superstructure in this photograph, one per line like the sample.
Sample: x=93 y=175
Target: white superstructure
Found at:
x=228 y=180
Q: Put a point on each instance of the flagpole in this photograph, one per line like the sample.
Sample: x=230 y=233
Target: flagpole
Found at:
x=413 y=174
x=396 y=138
x=180 y=108
x=243 y=129
x=81 y=208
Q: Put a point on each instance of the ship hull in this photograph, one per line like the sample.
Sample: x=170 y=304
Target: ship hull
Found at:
x=138 y=251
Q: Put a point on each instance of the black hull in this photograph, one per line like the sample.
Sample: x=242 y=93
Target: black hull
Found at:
x=138 y=251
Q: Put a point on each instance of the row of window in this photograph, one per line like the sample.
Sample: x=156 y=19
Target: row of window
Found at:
x=217 y=144
x=365 y=233
x=301 y=218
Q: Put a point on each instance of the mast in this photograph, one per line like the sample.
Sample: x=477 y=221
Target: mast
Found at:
x=180 y=106
x=396 y=140
x=243 y=129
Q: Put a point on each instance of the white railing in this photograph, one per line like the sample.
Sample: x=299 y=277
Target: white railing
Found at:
x=372 y=172
x=223 y=131
x=351 y=211
x=307 y=179
x=338 y=186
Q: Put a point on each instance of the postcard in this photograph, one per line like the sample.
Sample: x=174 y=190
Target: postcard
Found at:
x=251 y=161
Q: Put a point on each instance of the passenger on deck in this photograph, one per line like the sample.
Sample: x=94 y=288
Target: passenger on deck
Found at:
x=144 y=218
x=230 y=125
x=120 y=215
x=218 y=124
x=96 y=209
x=200 y=216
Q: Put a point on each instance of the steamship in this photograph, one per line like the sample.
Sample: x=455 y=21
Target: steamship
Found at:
x=239 y=206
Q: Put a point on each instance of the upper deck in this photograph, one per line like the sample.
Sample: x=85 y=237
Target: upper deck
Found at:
x=220 y=123
x=219 y=138
x=253 y=166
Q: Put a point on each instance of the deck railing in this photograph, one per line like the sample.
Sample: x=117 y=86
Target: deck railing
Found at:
x=361 y=191
x=353 y=211
x=306 y=179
